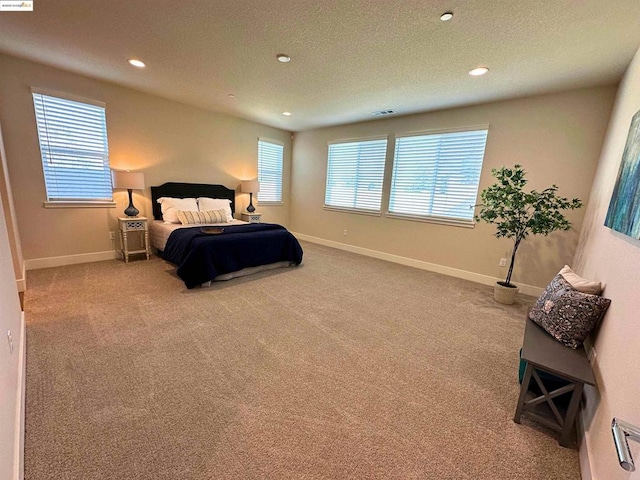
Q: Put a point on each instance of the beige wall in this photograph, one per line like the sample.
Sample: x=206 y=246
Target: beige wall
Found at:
x=166 y=140
x=556 y=137
x=613 y=259
x=10 y=215
x=10 y=367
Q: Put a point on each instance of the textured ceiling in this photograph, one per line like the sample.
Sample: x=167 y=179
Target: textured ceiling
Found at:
x=350 y=58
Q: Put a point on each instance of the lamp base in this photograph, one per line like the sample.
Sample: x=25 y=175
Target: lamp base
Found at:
x=131 y=211
x=250 y=207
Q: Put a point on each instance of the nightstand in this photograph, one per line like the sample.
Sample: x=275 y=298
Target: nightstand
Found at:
x=133 y=224
x=251 y=217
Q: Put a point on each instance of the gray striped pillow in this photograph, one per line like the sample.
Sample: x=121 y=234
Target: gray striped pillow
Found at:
x=188 y=217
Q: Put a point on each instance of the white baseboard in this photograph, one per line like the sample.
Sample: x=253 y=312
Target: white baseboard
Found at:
x=37 y=263
x=583 y=451
x=21 y=283
x=411 y=262
x=18 y=461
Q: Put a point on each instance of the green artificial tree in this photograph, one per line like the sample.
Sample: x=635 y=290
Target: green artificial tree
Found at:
x=516 y=213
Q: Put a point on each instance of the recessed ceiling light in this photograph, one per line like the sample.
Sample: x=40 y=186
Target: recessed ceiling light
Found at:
x=137 y=63
x=446 y=16
x=286 y=114
x=283 y=58
x=231 y=95
x=476 y=72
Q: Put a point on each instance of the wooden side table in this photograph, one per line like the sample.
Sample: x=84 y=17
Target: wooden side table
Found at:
x=133 y=224
x=544 y=354
x=251 y=217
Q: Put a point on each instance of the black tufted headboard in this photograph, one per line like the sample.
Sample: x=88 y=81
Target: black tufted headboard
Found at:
x=189 y=190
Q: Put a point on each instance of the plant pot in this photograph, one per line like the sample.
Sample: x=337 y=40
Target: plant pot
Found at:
x=505 y=293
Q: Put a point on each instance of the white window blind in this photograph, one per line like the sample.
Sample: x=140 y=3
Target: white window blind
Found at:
x=74 y=149
x=270 y=159
x=355 y=173
x=437 y=175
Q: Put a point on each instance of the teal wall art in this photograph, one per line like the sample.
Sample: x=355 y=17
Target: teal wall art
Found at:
x=624 y=209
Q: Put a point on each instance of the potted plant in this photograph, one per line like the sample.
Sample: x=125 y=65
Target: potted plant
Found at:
x=517 y=214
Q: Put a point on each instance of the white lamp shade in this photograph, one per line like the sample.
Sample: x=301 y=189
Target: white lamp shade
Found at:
x=250 y=186
x=128 y=180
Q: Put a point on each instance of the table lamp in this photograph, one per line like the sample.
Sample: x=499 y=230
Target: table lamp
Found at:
x=250 y=187
x=130 y=181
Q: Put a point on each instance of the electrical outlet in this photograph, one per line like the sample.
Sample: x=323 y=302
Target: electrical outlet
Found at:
x=503 y=262
x=10 y=340
x=112 y=235
x=344 y=232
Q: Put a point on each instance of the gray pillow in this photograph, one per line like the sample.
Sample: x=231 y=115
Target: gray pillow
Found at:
x=567 y=314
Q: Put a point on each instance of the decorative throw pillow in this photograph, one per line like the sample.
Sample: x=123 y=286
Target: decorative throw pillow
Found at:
x=206 y=203
x=170 y=207
x=567 y=314
x=581 y=284
x=210 y=216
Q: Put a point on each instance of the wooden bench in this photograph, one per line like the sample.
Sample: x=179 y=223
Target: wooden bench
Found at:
x=544 y=354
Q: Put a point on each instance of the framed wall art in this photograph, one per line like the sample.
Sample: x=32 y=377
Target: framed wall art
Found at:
x=624 y=209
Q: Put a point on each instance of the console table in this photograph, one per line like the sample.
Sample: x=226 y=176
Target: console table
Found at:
x=544 y=354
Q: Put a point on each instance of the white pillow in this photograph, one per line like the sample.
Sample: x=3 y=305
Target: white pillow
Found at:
x=206 y=204
x=581 y=284
x=170 y=207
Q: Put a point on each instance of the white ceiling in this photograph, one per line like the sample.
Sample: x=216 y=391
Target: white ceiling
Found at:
x=350 y=58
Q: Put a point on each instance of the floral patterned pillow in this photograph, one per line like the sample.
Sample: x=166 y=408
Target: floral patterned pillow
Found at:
x=567 y=314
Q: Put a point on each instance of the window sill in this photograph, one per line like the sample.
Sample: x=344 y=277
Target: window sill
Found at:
x=438 y=220
x=271 y=204
x=81 y=204
x=371 y=213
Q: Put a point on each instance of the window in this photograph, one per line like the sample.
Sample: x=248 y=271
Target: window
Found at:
x=74 y=149
x=437 y=175
x=355 y=173
x=270 y=171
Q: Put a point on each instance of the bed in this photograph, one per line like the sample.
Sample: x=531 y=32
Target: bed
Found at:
x=221 y=251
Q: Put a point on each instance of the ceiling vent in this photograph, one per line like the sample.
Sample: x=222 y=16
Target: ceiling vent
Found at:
x=382 y=113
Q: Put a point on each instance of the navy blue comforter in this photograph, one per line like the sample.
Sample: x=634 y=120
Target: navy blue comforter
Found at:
x=202 y=257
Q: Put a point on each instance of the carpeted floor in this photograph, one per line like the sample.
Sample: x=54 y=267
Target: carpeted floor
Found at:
x=345 y=367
